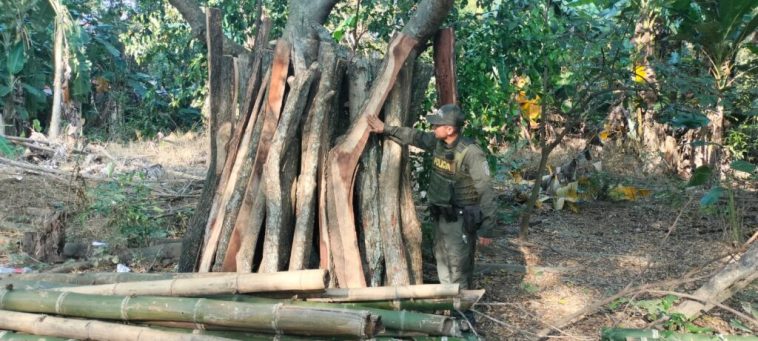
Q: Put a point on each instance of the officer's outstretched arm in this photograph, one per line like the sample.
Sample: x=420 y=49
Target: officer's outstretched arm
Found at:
x=410 y=136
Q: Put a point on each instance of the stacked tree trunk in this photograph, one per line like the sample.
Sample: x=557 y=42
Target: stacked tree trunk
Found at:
x=281 y=196
x=291 y=304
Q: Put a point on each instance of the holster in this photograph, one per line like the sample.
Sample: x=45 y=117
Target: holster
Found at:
x=472 y=218
x=450 y=213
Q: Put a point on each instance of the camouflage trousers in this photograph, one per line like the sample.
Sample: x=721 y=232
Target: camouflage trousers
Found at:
x=454 y=252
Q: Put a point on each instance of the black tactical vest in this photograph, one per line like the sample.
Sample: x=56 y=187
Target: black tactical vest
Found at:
x=450 y=183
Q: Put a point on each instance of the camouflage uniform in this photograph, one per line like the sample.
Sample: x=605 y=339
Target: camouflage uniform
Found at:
x=461 y=200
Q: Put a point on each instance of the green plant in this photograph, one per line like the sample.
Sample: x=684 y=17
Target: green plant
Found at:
x=659 y=308
x=132 y=218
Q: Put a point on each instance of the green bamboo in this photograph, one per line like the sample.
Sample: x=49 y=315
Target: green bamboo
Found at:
x=271 y=318
x=184 y=327
x=7 y=335
x=404 y=320
x=98 y=278
x=301 y=281
x=88 y=329
x=464 y=301
x=623 y=334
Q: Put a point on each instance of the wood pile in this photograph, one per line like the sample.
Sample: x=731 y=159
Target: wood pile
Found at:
x=222 y=306
x=289 y=166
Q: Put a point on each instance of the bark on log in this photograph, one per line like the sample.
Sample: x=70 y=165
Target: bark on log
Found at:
x=411 y=225
x=733 y=278
x=88 y=329
x=343 y=159
x=253 y=83
x=362 y=73
x=241 y=171
x=444 y=67
x=390 y=173
x=279 y=176
x=306 y=210
x=230 y=252
x=219 y=77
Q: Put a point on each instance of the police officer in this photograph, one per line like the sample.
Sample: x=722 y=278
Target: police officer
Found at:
x=460 y=194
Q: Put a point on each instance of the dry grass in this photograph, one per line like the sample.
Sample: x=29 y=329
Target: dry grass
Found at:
x=186 y=152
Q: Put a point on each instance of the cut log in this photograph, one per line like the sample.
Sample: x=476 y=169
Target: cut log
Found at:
x=362 y=73
x=279 y=176
x=411 y=225
x=88 y=329
x=342 y=161
x=230 y=252
x=238 y=180
x=733 y=278
x=253 y=84
x=303 y=280
x=275 y=97
x=272 y=317
x=390 y=173
x=306 y=209
x=444 y=67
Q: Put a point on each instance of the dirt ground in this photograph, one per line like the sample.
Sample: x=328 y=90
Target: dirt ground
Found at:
x=571 y=261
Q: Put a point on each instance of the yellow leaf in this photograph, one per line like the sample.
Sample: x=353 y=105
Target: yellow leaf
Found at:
x=640 y=73
x=629 y=193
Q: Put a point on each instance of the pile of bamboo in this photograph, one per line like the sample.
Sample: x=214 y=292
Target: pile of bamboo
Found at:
x=295 y=305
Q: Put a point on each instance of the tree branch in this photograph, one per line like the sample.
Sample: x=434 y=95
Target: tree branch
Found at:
x=195 y=17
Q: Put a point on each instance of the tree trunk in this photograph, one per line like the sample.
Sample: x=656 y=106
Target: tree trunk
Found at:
x=279 y=175
x=55 y=115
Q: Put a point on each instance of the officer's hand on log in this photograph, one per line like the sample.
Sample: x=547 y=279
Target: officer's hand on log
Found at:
x=375 y=124
x=485 y=241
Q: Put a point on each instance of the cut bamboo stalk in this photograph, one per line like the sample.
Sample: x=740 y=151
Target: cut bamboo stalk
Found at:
x=95 y=278
x=388 y=293
x=303 y=280
x=88 y=329
x=12 y=336
x=625 y=334
x=408 y=321
x=267 y=317
x=229 y=333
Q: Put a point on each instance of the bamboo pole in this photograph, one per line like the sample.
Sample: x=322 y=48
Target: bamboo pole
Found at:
x=303 y=280
x=88 y=329
x=388 y=293
x=404 y=320
x=9 y=335
x=201 y=329
x=623 y=334
x=98 y=278
x=266 y=317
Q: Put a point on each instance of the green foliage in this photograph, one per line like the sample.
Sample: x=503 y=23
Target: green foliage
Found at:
x=132 y=216
x=655 y=309
x=7 y=149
